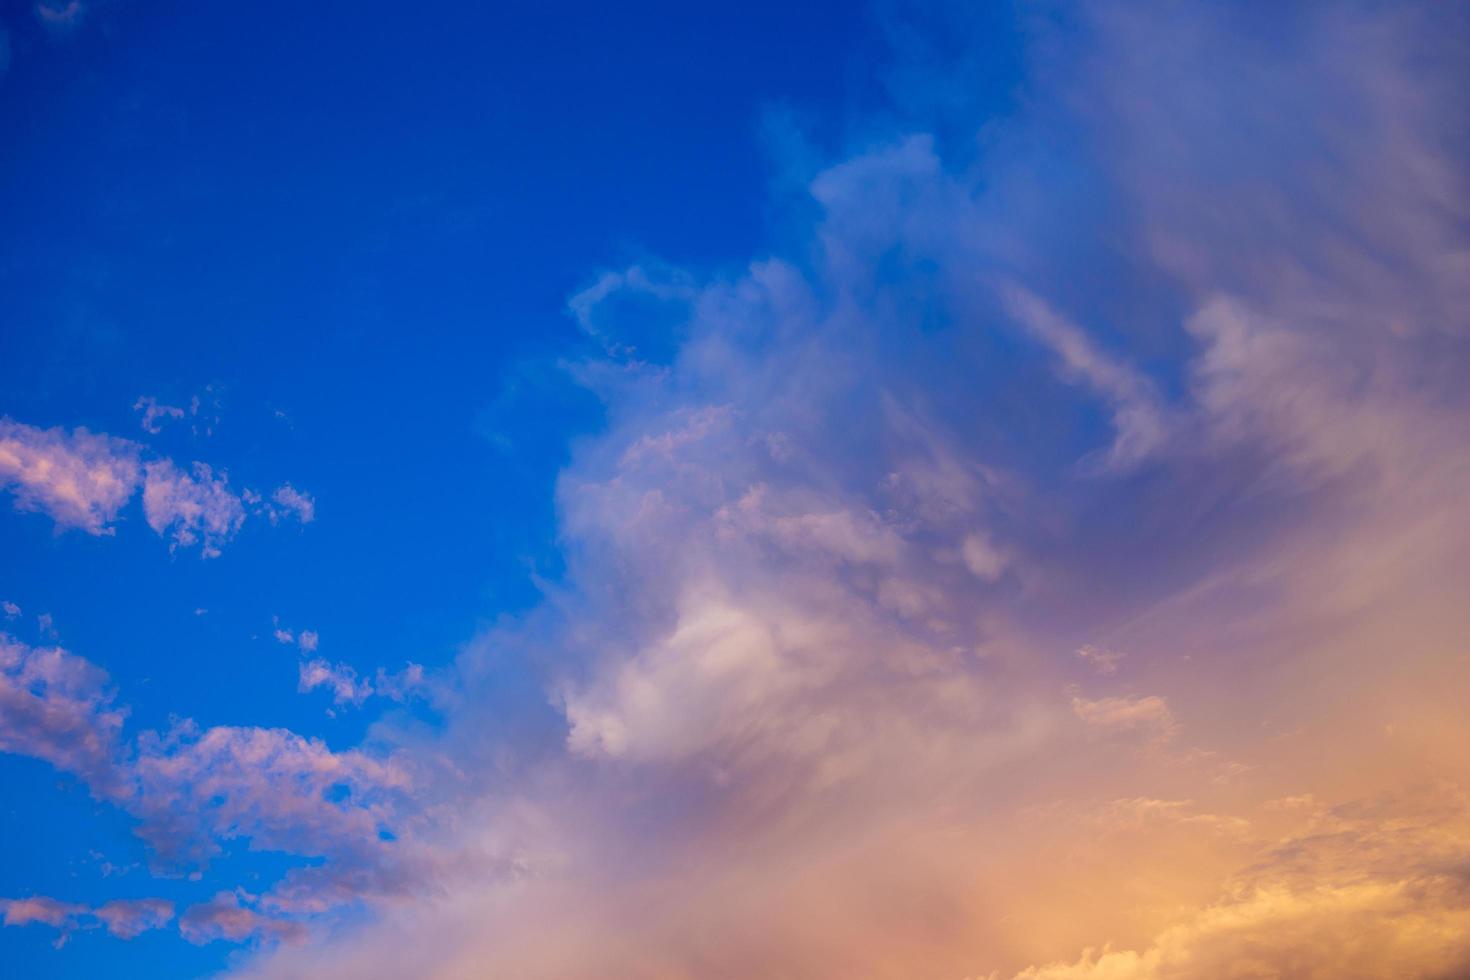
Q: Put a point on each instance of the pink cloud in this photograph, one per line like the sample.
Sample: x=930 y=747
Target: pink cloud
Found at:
x=340 y=679
x=229 y=916
x=153 y=412
x=199 y=509
x=83 y=480
x=1149 y=715
x=80 y=479
x=48 y=911
x=130 y=918
x=59 y=707
x=290 y=501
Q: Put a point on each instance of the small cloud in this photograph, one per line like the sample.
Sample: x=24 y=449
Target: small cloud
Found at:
x=204 y=410
x=983 y=558
x=60 y=16
x=281 y=633
x=340 y=679
x=47 y=911
x=400 y=686
x=46 y=625
x=10 y=609
x=1140 y=425
x=127 y=919
x=1101 y=659
x=308 y=640
x=231 y=916
x=154 y=413
x=347 y=688
x=1149 y=716
x=290 y=501
x=199 y=509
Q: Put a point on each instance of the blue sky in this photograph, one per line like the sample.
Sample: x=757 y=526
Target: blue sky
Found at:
x=659 y=458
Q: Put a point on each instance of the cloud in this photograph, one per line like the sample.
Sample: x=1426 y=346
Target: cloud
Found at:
x=83 y=480
x=80 y=479
x=1149 y=715
x=831 y=560
x=290 y=501
x=48 y=911
x=340 y=679
x=10 y=609
x=153 y=412
x=193 y=789
x=199 y=509
x=1355 y=900
x=123 y=918
x=60 y=708
x=60 y=16
x=1100 y=659
x=229 y=918
x=1139 y=421
x=130 y=918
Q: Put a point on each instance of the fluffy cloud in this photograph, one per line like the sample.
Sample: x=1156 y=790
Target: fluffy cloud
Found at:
x=123 y=918
x=228 y=917
x=80 y=479
x=199 y=509
x=60 y=708
x=343 y=683
x=130 y=918
x=288 y=501
x=339 y=679
x=23 y=911
x=83 y=480
x=192 y=789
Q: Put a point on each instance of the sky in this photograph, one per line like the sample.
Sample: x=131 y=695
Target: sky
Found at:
x=894 y=490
